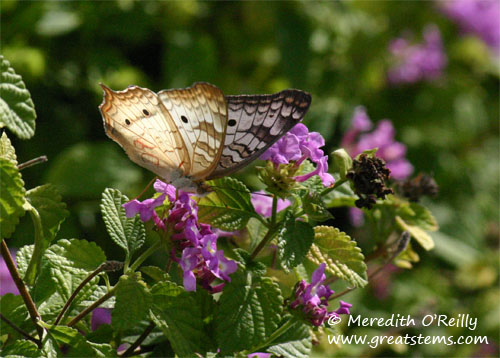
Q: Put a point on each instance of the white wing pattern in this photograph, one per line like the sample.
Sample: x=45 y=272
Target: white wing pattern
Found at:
x=196 y=133
x=200 y=113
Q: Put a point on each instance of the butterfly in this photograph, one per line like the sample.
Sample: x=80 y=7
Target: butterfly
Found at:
x=190 y=135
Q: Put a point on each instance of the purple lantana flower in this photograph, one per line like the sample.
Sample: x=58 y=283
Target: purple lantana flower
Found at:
x=312 y=299
x=263 y=203
x=100 y=316
x=195 y=244
x=417 y=62
x=479 y=17
x=7 y=284
x=357 y=140
x=260 y=355
x=298 y=145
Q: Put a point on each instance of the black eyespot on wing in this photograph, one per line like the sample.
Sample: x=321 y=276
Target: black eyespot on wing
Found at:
x=127 y=122
x=184 y=119
x=231 y=122
x=146 y=113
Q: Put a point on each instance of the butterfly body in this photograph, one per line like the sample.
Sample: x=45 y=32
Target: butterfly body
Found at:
x=189 y=135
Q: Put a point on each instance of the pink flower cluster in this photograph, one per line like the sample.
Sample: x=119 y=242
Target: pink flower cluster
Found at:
x=357 y=139
x=298 y=145
x=479 y=17
x=417 y=62
x=199 y=259
x=313 y=297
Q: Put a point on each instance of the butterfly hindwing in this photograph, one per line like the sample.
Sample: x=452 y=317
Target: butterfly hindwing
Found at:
x=200 y=114
x=136 y=119
x=255 y=122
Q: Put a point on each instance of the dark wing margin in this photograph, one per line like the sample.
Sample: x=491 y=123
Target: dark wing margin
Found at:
x=256 y=122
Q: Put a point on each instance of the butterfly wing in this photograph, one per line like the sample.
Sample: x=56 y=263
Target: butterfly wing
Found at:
x=137 y=120
x=255 y=122
x=200 y=113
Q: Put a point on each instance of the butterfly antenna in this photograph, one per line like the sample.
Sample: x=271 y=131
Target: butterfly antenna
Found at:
x=146 y=188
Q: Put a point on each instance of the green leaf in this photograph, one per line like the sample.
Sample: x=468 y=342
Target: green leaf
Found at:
x=314 y=207
x=342 y=256
x=180 y=317
x=417 y=219
x=11 y=197
x=249 y=312
x=155 y=273
x=133 y=302
x=21 y=348
x=128 y=233
x=294 y=343
x=341 y=196
x=23 y=256
x=96 y=294
x=342 y=162
x=12 y=307
x=47 y=201
x=71 y=261
x=294 y=240
x=7 y=151
x=77 y=344
x=17 y=111
x=257 y=230
x=228 y=207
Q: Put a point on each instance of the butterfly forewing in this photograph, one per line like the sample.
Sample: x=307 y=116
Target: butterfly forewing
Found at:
x=137 y=120
x=255 y=122
x=200 y=114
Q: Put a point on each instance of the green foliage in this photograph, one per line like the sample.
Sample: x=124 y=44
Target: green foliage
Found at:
x=133 y=302
x=12 y=307
x=295 y=342
x=228 y=207
x=70 y=170
x=7 y=150
x=449 y=126
x=77 y=345
x=47 y=202
x=294 y=240
x=22 y=348
x=128 y=233
x=12 y=199
x=70 y=261
x=342 y=256
x=17 y=111
x=249 y=312
x=416 y=219
x=180 y=317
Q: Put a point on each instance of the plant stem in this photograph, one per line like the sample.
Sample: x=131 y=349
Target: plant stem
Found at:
x=145 y=255
x=332 y=188
x=93 y=306
x=28 y=301
x=130 y=350
x=276 y=334
x=36 y=257
x=106 y=266
x=270 y=232
x=31 y=162
x=274 y=210
x=19 y=330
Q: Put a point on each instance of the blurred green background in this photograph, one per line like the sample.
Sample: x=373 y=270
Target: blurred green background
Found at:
x=335 y=50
